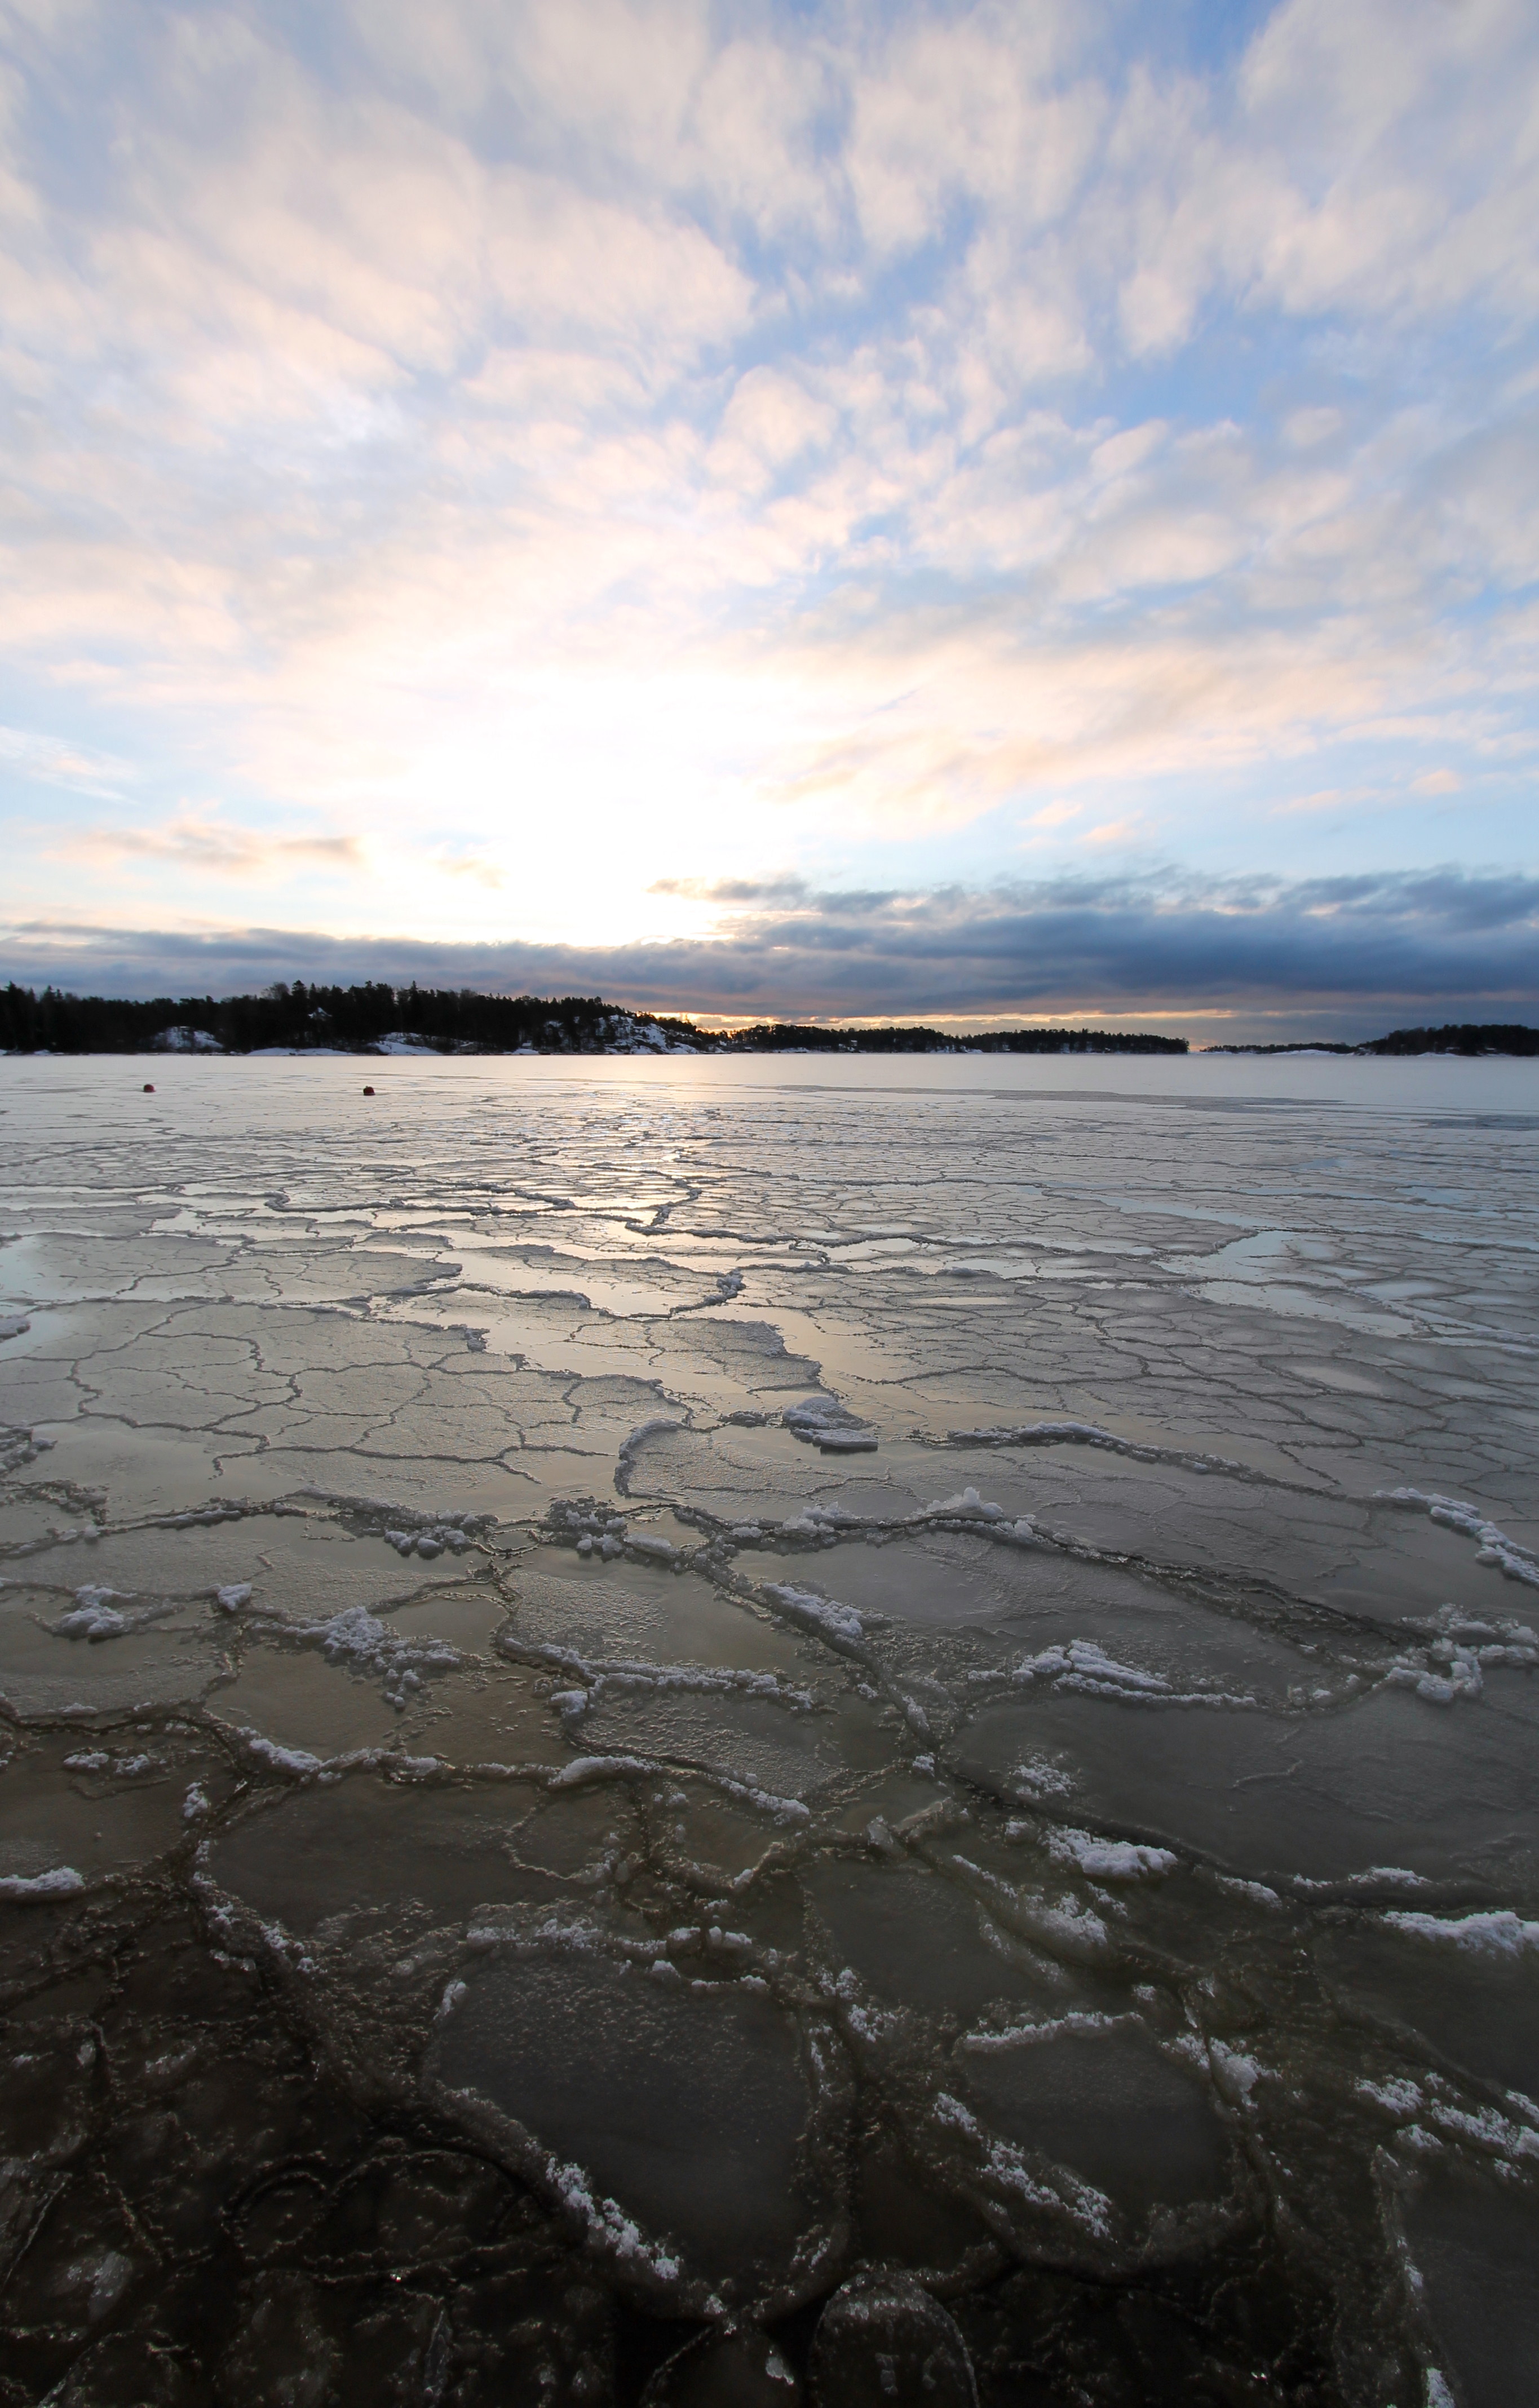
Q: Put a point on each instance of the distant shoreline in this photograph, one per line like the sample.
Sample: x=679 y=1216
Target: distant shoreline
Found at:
x=381 y=1021
x=1465 y=1041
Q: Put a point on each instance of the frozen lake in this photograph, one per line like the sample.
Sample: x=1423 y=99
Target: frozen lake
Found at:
x=716 y=1731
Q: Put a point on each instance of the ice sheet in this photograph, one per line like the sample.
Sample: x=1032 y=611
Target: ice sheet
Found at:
x=629 y=1689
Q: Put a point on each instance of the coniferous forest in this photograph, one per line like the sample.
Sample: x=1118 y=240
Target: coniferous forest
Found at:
x=354 y=1018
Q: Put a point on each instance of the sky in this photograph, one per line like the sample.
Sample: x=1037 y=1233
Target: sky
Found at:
x=953 y=512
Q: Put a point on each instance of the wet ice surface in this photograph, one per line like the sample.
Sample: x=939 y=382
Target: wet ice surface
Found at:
x=716 y=1732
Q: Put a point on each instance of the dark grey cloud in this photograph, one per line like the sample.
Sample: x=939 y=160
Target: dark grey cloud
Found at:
x=1347 y=955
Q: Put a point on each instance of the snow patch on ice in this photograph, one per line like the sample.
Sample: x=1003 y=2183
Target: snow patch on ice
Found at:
x=20 y=1447
x=631 y=1447
x=584 y=1768
x=1083 y=1666
x=284 y=1759
x=969 y=1506
x=1080 y=2021
x=628 y=1678
x=429 y=1542
x=1455 y=1662
x=1495 y=1933
x=1111 y=1860
x=359 y=1638
x=1038 y=1776
x=1064 y=1924
x=822 y=1422
x=1493 y=1546
x=609 y=2225
x=1091 y=1434
x=817 y=1613
x=1234 y=2074
x=1434 y=2103
x=782 y=1810
x=122 y=1767
x=645 y=1547
x=1459 y=1677
x=1008 y=2168
x=24 y=1888
x=1257 y=1892
x=96 y=1616
x=1399 y=2097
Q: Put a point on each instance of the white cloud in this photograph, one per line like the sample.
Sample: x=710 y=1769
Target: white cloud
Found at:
x=214 y=847
x=983 y=108
x=1304 y=428
x=581 y=424
x=770 y=420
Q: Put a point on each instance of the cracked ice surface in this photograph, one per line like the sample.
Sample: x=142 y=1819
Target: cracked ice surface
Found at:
x=636 y=1696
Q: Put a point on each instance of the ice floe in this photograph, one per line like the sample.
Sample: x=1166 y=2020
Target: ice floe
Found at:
x=517 y=1817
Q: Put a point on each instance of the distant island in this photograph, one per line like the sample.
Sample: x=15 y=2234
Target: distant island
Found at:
x=381 y=1019
x=1468 y=1037
x=377 y=1018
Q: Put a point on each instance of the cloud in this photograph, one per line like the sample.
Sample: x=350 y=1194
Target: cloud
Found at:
x=770 y=421
x=733 y=890
x=56 y=762
x=484 y=873
x=226 y=852
x=1304 y=428
x=1349 y=953
x=630 y=431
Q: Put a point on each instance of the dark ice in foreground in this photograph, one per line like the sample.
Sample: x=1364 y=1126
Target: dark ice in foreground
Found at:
x=708 y=1732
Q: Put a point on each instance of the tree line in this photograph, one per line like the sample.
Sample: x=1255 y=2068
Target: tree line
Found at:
x=1468 y=1038
x=352 y=1017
